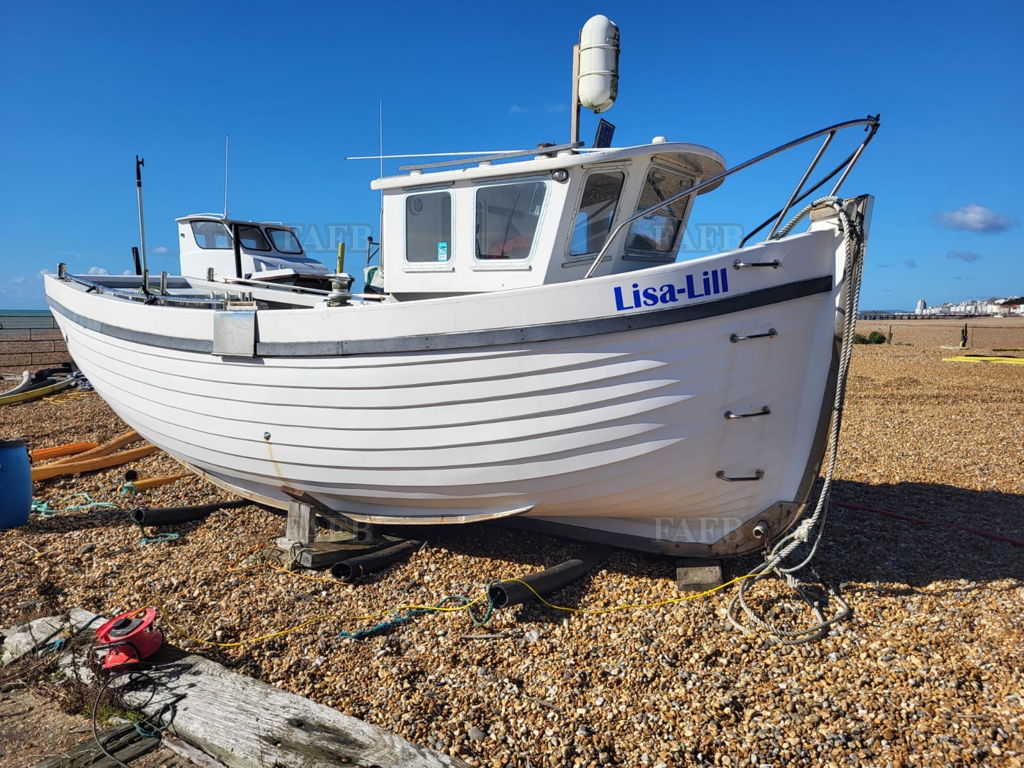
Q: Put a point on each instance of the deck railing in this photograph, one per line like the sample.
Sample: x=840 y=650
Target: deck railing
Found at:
x=870 y=124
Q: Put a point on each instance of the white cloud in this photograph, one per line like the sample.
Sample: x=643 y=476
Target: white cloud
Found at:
x=45 y=271
x=516 y=109
x=17 y=280
x=98 y=271
x=976 y=218
x=159 y=249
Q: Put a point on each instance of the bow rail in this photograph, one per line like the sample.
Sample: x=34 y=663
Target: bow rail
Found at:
x=870 y=123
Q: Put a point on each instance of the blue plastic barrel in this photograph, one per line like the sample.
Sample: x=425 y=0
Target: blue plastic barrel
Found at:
x=15 y=483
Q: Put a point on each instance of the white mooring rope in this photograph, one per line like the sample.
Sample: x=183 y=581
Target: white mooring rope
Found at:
x=773 y=562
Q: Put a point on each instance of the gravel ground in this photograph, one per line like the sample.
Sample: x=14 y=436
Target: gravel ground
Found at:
x=927 y=672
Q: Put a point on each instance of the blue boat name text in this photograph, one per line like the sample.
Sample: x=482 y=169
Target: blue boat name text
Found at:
x=709 y=283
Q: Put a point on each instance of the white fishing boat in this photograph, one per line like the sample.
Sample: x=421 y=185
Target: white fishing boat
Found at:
x=538 y=349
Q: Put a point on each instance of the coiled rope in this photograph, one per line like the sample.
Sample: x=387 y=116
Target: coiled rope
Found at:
x=814 y=523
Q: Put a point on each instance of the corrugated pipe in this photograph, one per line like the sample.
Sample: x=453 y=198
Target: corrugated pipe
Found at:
x=354 y=568
x=174 y=515
x=507 y=593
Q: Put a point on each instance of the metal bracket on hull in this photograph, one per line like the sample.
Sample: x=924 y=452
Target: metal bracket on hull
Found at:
x=234 y=332
x=765 y=410
x=758 y=475
x=739 y=264
x=769 y=334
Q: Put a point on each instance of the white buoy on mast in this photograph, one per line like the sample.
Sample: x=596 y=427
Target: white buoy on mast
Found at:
x=595 y=76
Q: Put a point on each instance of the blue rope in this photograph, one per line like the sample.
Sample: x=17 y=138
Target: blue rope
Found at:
x=160 y=538
x=399 y=619
x=42 y=507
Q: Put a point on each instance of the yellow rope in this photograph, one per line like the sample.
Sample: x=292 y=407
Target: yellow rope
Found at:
x=440 y=609
x=67 y=397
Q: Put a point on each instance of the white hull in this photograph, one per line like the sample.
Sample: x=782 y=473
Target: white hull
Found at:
x=607 y=429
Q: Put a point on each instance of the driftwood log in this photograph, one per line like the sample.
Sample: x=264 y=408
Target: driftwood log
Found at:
x=244 y=723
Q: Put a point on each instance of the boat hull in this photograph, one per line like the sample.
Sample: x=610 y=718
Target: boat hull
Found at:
x=582 y=405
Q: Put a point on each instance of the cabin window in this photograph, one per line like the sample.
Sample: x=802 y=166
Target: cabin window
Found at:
x=597 y=209
x=252 y=238
x=428 y=227
x=657 y=233
x=284 y=240
x=211 y=234
x=506 y=219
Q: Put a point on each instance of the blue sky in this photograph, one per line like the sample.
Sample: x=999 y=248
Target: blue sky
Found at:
x=297 y=86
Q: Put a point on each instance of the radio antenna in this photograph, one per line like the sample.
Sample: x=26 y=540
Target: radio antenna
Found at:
x=227 y=139
x=380 y=143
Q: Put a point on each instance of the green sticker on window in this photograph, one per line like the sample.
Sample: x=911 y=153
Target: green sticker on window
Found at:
x=442 y=250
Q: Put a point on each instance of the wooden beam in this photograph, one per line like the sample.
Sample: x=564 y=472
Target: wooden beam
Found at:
x=105 y=449
x=46 y=471
x=123 y=742
x=244 y=723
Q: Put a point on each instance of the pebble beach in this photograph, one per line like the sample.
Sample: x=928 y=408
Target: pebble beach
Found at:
x=927 y=671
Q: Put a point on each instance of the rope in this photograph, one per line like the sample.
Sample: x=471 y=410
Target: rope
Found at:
x=776 y=555
x=44 y=510
x=160 y=538
x=402 y=614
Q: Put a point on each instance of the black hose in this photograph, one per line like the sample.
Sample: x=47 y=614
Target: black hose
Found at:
x=173 y=515
x=507 y=593
x=355 y=568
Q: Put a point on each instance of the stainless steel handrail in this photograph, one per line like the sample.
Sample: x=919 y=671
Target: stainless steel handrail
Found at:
x=871 y=125
x=122 y=293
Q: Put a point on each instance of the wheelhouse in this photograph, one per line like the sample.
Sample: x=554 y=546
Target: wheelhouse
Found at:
x=502 y=225
x=266 y=250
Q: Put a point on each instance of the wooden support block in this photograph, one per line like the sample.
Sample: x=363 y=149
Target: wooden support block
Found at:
x=301 y=525
x=691 y=577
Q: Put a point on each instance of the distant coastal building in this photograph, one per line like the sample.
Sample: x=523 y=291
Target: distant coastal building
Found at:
x=1004 y=307
x=1012 y=306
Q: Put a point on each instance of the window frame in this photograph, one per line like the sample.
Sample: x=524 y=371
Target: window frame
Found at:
x=670 y=255
x=227 y=234
x=270 y=239
x=237 y=226
x=497 y=262
x=426 y=264
x=573 y=258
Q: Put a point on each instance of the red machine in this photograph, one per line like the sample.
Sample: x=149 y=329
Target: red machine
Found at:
x=129 y=638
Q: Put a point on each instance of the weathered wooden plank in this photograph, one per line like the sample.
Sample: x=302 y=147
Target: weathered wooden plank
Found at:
x=244 y=723
x=123 y=742
x=301 y=523
x=190 y=753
